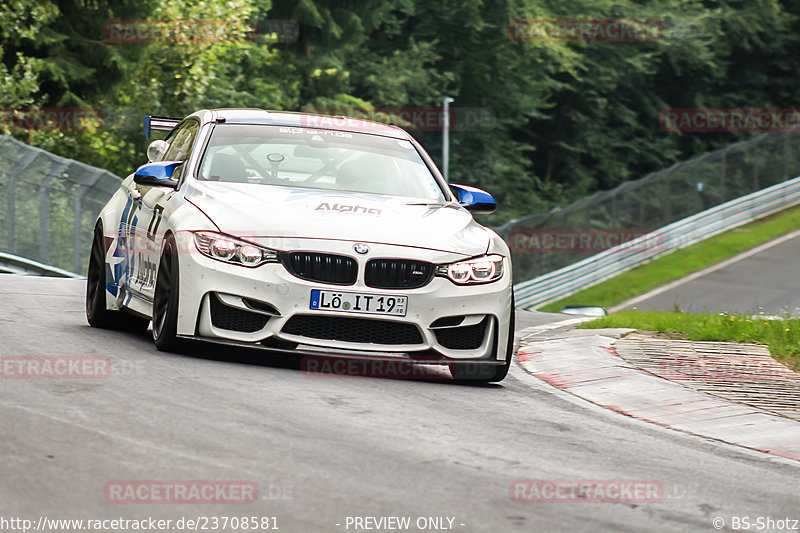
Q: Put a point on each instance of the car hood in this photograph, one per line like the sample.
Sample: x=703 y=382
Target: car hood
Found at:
x=253 y=210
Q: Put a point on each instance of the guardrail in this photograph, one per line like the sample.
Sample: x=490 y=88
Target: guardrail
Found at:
x=546 y=242
x=14 y=264
x=48 y=205
x=609 y=263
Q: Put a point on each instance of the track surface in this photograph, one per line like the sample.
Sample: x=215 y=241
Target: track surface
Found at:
x=322 y=449
x=766 y=281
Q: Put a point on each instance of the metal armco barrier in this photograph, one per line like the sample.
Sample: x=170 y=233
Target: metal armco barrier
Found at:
x=14 y=264
x=48 y=205
x=542 y=243
x=578 y=276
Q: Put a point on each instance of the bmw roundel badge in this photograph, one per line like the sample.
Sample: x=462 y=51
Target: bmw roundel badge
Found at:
x=361 y=248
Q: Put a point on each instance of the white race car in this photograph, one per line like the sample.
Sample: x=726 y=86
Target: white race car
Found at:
x=291 y=231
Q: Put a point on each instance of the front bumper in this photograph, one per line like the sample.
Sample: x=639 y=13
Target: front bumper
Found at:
x=267 y=305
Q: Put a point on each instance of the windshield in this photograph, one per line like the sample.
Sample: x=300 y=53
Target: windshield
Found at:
x=317 y=159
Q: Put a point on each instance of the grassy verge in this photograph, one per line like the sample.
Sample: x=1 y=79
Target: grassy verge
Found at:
x=782 y=336
x=682 y=262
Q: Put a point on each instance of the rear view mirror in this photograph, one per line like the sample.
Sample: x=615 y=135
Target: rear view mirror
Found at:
x=156 y=150
x=473 y=199
x=158 y=174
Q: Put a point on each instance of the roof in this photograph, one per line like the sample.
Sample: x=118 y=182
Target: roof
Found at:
x=307 y=120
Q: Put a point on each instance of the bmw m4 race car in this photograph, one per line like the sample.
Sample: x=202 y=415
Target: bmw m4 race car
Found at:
x=302 y=232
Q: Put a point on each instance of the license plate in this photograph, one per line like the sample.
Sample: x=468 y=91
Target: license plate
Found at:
x=357 y=302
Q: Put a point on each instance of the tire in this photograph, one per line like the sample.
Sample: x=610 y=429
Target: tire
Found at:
x=165 y=301
x=478 y=374
x=97 y=314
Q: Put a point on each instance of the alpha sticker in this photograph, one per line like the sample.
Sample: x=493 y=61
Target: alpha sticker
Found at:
x=347 y=208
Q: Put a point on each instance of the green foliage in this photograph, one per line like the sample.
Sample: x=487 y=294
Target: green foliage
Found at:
x=570 y=117
x=782 y=335
x=19 y=74
x=19 y=84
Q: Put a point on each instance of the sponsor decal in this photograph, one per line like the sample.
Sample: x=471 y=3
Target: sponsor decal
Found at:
x=308 y=131
x=354 y=209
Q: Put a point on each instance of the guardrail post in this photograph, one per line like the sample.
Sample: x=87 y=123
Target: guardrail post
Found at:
x=755 y=169
x=12 y=198
x=785 y=156
x=44 y=221
x=77 y=228
x=44 y=210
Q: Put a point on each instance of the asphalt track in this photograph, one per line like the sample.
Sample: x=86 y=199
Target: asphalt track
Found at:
x=763 y=282
x=325 y=448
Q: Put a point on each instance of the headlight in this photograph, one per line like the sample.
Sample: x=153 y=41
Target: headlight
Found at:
x=479 y=270
x=231 y=250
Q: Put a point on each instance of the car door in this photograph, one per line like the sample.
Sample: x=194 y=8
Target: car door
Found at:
x=148 y=205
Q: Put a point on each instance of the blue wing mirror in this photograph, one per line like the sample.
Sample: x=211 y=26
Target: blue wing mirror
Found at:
x=158 y=174
x=473 y=199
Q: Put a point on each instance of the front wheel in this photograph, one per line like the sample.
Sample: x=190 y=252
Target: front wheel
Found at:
x=481 y=374
x=97 y=314
x=165 y=302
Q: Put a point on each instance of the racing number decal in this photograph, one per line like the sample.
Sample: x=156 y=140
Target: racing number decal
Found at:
x=130 y=222
x=142 y=269
x=146 y=267
x=152 y=229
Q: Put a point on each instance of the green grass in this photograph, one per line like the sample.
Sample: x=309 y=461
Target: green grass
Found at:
x=682 y=262
x=782 y=336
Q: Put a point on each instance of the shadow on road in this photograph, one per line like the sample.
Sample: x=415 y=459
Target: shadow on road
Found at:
x=316 y=365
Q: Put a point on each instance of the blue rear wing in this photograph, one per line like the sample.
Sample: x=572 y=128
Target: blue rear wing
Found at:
x=156 y=123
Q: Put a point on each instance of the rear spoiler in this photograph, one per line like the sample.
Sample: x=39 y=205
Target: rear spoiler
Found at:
x=155 y=123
